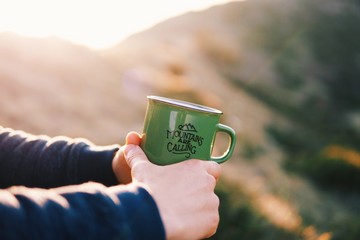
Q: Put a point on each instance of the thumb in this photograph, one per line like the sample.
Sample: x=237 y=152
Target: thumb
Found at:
x=133 y=138
x=134 y=154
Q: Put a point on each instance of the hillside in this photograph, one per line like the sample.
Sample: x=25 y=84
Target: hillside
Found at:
x=273 y=67
x=285 y=80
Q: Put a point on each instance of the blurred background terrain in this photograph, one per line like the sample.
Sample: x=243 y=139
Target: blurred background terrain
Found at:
x=286 y=74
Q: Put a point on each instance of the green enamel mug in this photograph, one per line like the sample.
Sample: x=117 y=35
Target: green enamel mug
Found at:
x=176 y=130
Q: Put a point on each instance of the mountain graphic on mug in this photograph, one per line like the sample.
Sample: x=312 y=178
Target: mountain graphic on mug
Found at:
x=187 y=128
x=176 y=131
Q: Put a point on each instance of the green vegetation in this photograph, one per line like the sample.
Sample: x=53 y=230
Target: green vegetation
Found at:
x=240 y=220
x=307 y=156
x=250 y=150
x=313 y=47
x=317 y=48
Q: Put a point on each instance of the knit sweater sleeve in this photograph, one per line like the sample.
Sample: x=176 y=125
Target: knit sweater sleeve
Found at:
x=86 y=211
x=40 y=161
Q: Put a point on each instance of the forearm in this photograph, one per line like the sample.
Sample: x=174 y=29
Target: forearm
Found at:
x=40 y=161
x=87 y=211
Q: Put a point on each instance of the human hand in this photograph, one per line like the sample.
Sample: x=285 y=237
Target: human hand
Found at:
x=184 y=193
x=120 y=167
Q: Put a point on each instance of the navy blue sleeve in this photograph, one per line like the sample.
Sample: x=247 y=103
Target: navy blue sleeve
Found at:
x=87 y=211
x=40 y=161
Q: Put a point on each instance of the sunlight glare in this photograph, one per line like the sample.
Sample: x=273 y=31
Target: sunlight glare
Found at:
x=94 y=23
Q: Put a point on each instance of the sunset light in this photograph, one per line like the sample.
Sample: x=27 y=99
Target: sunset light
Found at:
x=94 y=23
x=75 y=80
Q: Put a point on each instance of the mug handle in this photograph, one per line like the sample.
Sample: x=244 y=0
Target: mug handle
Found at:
x=228 y=130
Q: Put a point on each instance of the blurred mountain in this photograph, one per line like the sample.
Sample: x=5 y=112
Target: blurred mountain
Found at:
x=284 y=72
x=53 y=87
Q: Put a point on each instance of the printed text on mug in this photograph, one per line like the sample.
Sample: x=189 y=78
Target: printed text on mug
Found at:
x=184 y=140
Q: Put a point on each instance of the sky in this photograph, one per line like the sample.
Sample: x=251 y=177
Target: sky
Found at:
x=93 y=23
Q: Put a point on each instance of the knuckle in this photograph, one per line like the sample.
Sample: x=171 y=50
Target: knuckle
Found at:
x=217 y=167
x=216 y=201
x=140 y=166
x=215 y=221
x=213 y=225
x=139 y=170
x=210 y=182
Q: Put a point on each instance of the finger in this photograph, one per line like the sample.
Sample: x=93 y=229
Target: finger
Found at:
x=134 y=154
x=121 y=168
x=133 y=138
x=214 y=169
